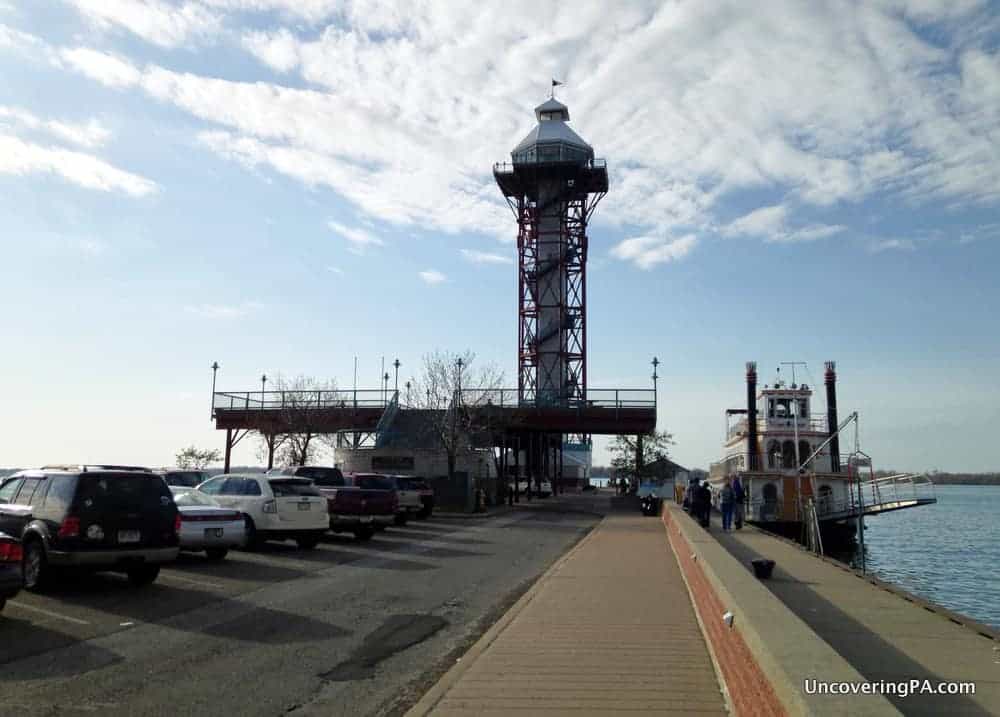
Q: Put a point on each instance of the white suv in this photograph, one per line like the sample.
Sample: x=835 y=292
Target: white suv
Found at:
x=273 y=507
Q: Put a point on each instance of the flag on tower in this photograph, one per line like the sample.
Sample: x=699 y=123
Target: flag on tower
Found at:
x=556 y=83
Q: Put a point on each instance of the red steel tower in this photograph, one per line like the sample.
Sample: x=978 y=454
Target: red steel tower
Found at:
x=553 y=183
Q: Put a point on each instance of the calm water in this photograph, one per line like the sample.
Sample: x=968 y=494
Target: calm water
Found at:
x=948 y=552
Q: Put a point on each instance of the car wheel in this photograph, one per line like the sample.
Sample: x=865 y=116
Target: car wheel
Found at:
x=142 y=575
x=364 y=533
x=400 y=519
x=216 y=554
x=253 y=540
x=307 y=542
x=35 y=567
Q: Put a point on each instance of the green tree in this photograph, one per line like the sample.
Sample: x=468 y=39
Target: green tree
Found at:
x=193 y=457
x=655 y=445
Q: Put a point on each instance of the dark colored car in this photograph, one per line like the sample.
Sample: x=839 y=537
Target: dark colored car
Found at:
x=10 y=568
x=354 y=507
x=183 y=477
x=91 y=518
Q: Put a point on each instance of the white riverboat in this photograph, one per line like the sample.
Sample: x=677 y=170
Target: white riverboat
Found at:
x=787 y=456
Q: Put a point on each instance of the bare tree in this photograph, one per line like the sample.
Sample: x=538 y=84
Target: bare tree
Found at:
x=295 y=443
x=268 y=444
x=451 y=388
x=655 y=445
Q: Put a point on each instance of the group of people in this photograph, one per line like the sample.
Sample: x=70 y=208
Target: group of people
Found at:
x=731 y=501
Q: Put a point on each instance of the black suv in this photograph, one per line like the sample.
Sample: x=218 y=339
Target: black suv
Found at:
x=91 y=517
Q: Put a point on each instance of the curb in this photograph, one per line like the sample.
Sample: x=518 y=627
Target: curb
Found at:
x=426 y=704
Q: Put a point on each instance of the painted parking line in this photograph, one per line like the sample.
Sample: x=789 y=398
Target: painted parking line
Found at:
x=48 y=613
x=191 y=581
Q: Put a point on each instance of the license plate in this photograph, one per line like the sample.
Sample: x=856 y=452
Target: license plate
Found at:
x=128 y=536
x=304 y=506
x=213 y=532
x=366 y=519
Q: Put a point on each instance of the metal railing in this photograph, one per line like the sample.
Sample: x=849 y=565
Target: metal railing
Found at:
x=508 y=167
x=740 y=427
x=377 y=398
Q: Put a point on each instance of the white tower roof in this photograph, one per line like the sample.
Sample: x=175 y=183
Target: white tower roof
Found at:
x=552 y=132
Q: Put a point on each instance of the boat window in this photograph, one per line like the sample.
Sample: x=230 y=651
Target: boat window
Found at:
x=788 y=454
x=803 y=408
x=773 y=454
x=805 y=450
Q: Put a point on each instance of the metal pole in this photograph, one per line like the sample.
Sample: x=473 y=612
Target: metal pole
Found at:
x=263 y=385
x=396 y=364
x=229 y=449
x=215 y=370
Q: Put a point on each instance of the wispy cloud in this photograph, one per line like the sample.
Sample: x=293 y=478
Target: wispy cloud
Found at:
x=891 y=245
x=769 y=224
x=648 y=251
x=360 y=239
x=223 y=311
x=483 y=257
x=92 y=134
x=22 y=158
x=165 y=24
x=335 y=270
x=432 y=277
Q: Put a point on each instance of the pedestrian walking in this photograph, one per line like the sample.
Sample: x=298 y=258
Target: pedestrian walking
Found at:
x=739 y=496
x=726 y=501
x=705 y=505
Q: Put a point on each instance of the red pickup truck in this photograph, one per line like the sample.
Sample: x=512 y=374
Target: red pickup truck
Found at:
x=354 y=506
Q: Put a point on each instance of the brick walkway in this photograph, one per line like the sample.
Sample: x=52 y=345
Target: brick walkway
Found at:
x=608 y=630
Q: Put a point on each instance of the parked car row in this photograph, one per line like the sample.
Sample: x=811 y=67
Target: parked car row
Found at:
x=132 y=520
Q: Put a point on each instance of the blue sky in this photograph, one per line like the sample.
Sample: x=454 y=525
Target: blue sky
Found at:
x=281 y=185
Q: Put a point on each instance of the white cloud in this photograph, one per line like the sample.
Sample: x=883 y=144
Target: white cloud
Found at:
x=760 y=222
x=892 y=244
x=101 y=66
x=360 y=239
x=91 y=247
x=22 y=158
x=91 y=134
x=405 y=113
x=432 y=277
x=769 y=224
x=483 y=257
x=648 y=251
x=166 y=24
x=222 y=311
x=335 y=270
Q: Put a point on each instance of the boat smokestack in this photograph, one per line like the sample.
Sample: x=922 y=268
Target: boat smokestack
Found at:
x=831 y=415
x=753 y=462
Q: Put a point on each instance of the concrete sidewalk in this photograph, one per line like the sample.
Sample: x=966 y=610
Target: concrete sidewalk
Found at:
x=609 y=629
x=882 y=634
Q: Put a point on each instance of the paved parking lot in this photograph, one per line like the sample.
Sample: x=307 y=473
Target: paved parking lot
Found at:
x=349 y=628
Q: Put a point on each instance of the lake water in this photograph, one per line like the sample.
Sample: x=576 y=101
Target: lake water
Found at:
x=948 y=553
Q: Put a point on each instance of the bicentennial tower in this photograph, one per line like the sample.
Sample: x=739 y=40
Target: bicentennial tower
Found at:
x=552 y=184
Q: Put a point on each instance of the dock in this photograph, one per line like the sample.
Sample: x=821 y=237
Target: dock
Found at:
x=659 y=616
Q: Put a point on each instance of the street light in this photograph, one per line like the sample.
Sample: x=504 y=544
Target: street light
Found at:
x=215 y=370
x=408 y=387
x=396 y=364
x=263 y=386
x=460 y=363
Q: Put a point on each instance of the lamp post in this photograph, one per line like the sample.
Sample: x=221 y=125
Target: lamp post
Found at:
x=263 y=387
x=460 y=363
x=396 y=364
x=408 y=387
x=385 y=386
x=215 y=370
x=655 y=362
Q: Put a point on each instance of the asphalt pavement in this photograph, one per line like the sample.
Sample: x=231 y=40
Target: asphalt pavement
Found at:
x=345 y=629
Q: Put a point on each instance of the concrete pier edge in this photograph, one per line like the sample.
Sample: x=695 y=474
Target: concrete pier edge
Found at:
x=783 y=648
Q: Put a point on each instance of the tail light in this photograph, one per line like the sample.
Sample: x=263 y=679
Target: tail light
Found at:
x=177 y=523
x=270 y=507
x=10 y=552
x=70 y=528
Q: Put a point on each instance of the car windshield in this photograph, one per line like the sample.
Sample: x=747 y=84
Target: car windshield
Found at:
x=287 y=488
x=376 y=483
x=188 y=479
x=193 y=497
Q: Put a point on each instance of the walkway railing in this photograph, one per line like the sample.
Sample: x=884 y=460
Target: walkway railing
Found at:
x=503 y=397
